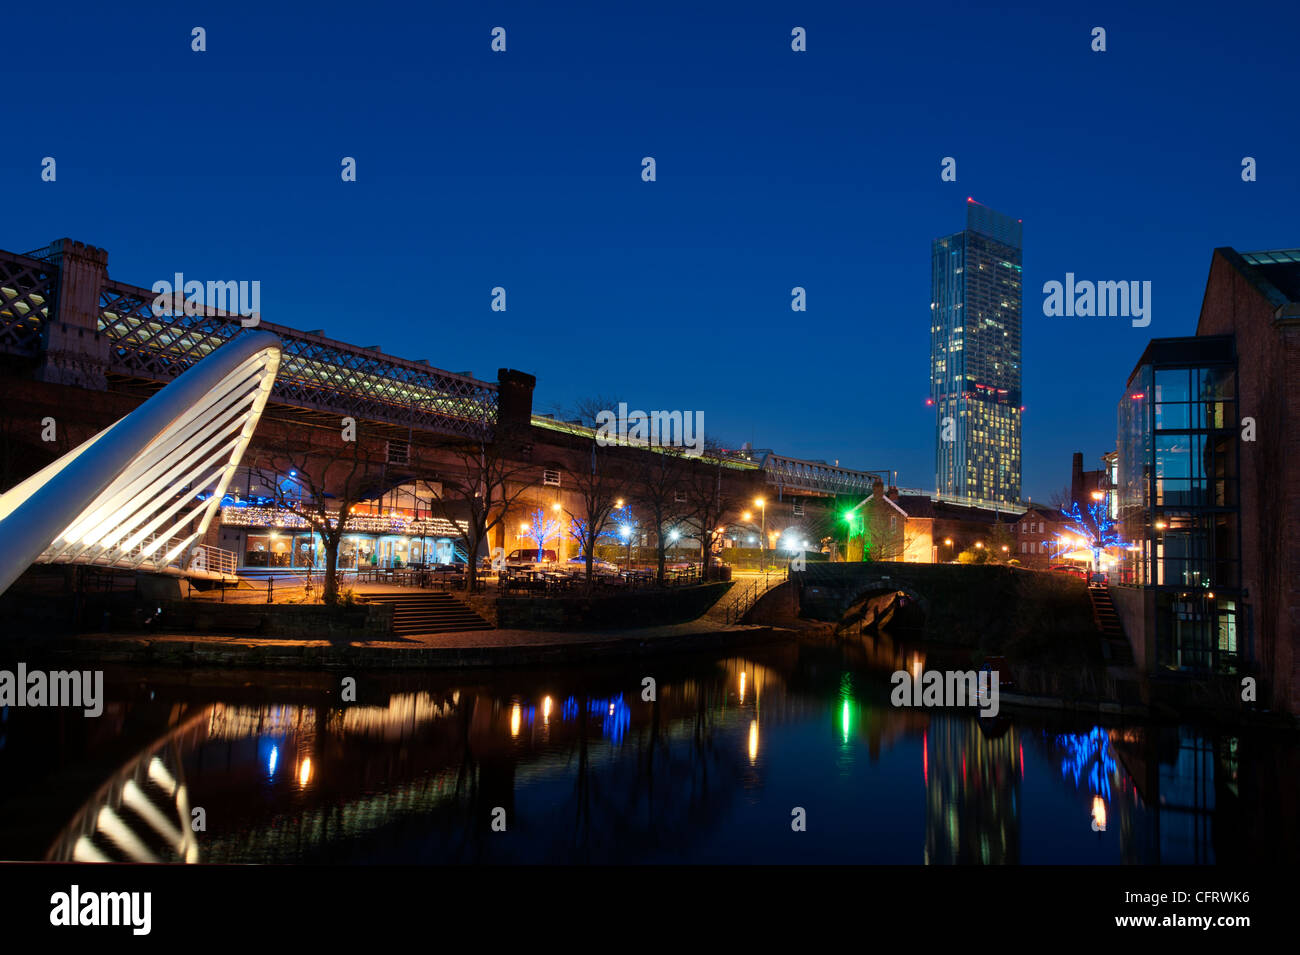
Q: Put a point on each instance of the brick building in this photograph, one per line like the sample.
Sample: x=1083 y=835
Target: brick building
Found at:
x=1255 y=297
x=1209 y=486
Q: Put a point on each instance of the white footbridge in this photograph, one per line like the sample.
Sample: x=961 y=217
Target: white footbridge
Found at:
x=141 y=494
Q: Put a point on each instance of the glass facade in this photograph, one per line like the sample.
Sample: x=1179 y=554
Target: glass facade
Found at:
x=975 y=357
x=397 y=529
x=303 y=550
x=1177 y=497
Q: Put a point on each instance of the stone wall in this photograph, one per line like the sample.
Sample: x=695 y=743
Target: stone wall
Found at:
x=280 y=621
x=1136 y=611
x=613 y=612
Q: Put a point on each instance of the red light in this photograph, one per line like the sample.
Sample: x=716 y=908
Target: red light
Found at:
x=970 y=198
x=1138 y=397
x=1022 y=409
x=929 y=401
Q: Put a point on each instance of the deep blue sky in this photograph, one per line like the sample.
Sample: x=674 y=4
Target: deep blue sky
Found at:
x=775 y=169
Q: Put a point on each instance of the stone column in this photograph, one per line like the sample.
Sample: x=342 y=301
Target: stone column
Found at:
x=74 y=351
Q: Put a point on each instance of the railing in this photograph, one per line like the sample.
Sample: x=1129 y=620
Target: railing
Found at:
x=214 y=560
x=567 y=581
x=743 y=604
x=426 y=578
x=753 y=592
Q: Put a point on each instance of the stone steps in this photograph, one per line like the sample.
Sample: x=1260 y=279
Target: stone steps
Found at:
x=423 y=612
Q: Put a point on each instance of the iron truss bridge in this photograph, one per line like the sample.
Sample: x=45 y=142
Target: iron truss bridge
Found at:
x=316 y=372
x=816 y=477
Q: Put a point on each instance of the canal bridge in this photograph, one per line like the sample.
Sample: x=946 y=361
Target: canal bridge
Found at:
x=973 y=605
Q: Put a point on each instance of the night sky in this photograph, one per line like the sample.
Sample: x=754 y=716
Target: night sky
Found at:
x=775 y=169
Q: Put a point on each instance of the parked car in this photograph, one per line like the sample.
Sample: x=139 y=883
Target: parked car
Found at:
x=598 y=566
x=1069 y=569
x=528 y=556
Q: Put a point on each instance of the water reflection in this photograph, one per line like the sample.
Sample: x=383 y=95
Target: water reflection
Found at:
x=709 y=771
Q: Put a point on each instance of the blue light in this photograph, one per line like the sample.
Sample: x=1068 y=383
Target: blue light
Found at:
x=1088 y=758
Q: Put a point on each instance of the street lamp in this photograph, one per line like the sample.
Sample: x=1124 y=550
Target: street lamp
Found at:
x=761 y=503
x=627 y=536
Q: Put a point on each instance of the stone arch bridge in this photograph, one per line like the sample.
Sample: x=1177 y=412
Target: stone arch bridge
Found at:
x=971 y=605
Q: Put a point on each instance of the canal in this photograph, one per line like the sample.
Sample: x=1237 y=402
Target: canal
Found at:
x=572 y=764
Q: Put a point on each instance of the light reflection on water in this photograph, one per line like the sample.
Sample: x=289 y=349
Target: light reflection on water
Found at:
x=586 y=769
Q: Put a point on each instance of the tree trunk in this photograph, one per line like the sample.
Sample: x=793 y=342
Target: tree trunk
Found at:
x=331 y=592
x=472 y=538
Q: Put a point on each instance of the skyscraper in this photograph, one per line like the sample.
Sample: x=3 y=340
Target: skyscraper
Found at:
x=975 y=357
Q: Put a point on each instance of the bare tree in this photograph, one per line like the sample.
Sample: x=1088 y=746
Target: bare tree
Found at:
x=585 y=410
x=320 y=478
x=658 y=483
x=710 y=497
x=488 y=477
x=1061 y=500
x=598 y=485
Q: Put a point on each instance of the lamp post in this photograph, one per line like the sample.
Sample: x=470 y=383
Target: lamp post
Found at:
x=1097 y=498
x=627 y=537
x=761 y=503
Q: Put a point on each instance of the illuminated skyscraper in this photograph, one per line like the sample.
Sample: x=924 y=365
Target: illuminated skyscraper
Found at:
x=975 y=357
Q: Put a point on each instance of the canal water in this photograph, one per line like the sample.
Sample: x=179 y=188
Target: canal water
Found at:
x=785 y=754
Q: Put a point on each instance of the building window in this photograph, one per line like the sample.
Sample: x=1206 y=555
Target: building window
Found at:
x=398 y=452
x=550 y=478
x=798 y=508
x=679 y=497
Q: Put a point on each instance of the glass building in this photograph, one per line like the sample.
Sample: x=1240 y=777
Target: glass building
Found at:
x=975 y=358
x=402 y=527
x=1178 y=499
